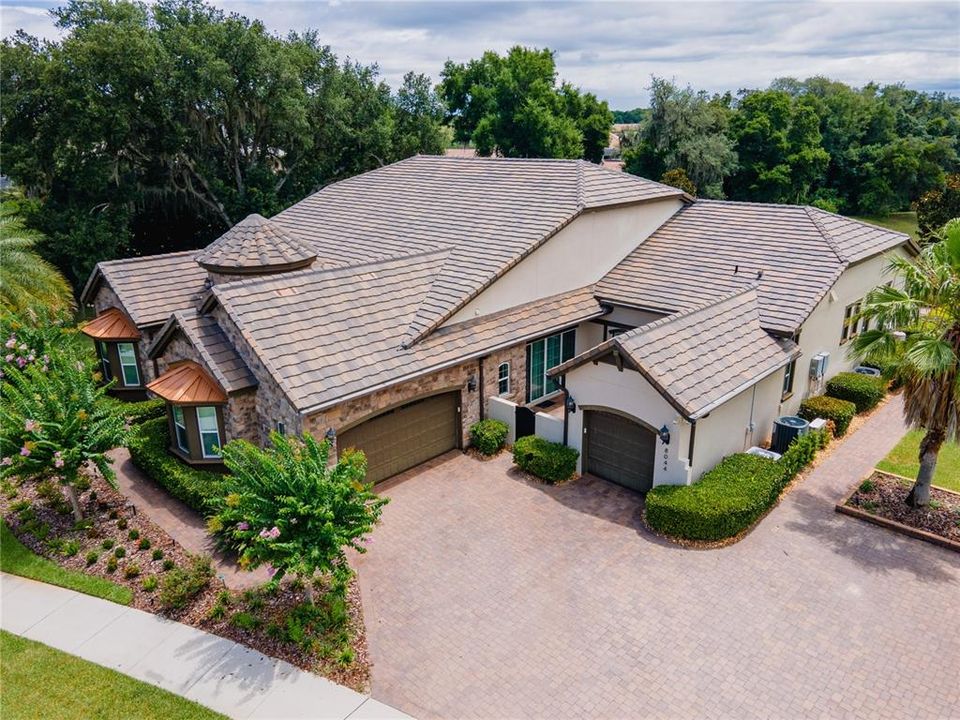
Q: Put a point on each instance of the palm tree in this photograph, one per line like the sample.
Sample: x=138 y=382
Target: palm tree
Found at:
x=27 y=281
x=917 y=336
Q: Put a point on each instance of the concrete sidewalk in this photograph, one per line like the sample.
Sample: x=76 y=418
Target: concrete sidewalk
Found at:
x=218 y=673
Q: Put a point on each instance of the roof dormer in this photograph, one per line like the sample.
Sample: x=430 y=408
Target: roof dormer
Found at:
x=255 y=246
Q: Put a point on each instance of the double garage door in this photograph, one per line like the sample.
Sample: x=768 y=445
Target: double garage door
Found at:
x=618 y=449
x=406 y=436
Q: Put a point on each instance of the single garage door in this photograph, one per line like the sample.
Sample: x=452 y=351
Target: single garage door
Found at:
x=619 y=449
x=406 y=436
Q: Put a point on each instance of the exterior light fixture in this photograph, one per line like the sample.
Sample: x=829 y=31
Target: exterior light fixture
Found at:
x=472 y=383
x=330 y=434
x=571 y=404
x=664 y=434
x=899 y=335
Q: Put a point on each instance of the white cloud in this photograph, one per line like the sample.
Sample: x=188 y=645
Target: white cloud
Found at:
x=612 y=48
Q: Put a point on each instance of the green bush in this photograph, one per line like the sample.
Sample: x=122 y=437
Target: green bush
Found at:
x=133 y=534
x=180 y=585
x=150 y=583
x=144 y=544
x=549 y=461
x=732 y=496
x=137 y=413
x=863 y=391
x=488 y=436
x=92 y=557
x=157 y=554
x=131 y=571
x=148 y=449
x=841 y=412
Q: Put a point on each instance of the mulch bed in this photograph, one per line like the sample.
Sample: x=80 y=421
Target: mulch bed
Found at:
x=884 y=495
x=51 y=533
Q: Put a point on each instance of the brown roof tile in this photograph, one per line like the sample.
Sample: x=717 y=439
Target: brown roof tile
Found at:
x=111 y=324
x=700 y=358
x=187 y=383
x=256 y=244
x=692 y=259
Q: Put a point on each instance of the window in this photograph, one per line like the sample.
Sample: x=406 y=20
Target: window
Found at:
x=541 y=356
x=612 y=332
x=104 y=354
x=788 y=380
x=853 y=324
x=128 y=364
x=503 y=378
x=209 y=431
x=180 y=425
x=281 y=427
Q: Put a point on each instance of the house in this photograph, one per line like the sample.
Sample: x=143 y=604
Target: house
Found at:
x=390 y=311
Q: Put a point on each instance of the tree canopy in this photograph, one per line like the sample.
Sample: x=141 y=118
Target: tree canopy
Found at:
x=152 y=128
x=512 y=106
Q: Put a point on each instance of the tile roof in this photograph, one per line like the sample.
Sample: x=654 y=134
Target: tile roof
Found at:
x=488 y=212
x=187 y=383
x=111 y=324
x=326 y=335
x=700 y=358
x=255 y=244
x=151 y=287
x=218 y=354
x=692 y=258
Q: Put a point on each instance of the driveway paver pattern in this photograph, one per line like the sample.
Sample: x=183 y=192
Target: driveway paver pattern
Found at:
x=489 y=596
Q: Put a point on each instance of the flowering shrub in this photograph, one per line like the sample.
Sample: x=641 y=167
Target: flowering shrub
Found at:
x=284 y=508
x=54 y=420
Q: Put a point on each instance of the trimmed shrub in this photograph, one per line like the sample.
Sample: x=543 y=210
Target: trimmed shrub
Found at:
x=841 y=412
x=862 y=390
x=549 y=461
x=731 y=497
x=488 y=436
x=137 y=413
x=148 y=449
x=181 y=585
x=726 y=500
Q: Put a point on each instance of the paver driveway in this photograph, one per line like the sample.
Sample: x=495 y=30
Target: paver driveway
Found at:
x=487 y=596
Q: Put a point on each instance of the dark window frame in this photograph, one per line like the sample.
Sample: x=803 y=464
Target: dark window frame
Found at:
x=789 y=375
x=503 y=377
x=563 y=344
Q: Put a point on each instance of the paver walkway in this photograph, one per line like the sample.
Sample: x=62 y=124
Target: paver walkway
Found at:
x=216 y=672
x=180 y=522
x=488 y=596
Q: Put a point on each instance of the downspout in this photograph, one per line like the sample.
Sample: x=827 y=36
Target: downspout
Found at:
x=566 y=406
x=483 y=408
x=753 y=399
x=693 y=435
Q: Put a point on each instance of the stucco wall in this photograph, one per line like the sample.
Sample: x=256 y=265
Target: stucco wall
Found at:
x=578 y=255
x=821 y=331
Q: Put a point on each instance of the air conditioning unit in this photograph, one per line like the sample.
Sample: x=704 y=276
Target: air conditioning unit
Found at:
x=864 y=370
x=763 y=452
x=818 y=365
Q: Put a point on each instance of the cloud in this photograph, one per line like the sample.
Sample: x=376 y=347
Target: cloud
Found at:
x=612 y=48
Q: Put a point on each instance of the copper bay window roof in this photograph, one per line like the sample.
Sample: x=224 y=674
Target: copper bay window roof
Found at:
x=111 y=324
x=187 y=383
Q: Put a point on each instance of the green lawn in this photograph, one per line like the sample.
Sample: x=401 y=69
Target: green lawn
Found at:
x=905 y=222
x=902 y=460
x=18 y=560
x=40 y=682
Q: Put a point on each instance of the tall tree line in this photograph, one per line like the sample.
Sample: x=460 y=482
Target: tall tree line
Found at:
x=152 y=128
x=866 y=151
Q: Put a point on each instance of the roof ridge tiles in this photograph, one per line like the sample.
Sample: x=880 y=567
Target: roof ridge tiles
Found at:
x=828 y=238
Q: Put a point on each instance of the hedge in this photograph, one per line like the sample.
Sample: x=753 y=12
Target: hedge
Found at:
x=139 y=412
x=841 y=412
x=863 y=391
x=549 y=461
x=732 y=496
x=148 y=445
x=488 y=436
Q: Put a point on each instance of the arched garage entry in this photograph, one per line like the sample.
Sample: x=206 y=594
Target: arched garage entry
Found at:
x=619 y=448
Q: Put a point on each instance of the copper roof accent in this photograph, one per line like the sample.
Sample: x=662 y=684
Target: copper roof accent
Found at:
x=111 y=324
x=256 y=245
x=151 y=287
x=219 y=356
x=187 y=383
x=711 y=248
x=700 y=358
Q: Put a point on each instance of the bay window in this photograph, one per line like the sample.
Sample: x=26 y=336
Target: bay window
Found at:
x=180 y=428
x=209 y=432
x=128 y=364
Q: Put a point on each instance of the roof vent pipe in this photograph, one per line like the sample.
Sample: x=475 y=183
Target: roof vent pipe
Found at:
x=736 y=269
x=759 y=274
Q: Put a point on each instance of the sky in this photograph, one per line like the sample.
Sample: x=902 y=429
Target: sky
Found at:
x=613 y=48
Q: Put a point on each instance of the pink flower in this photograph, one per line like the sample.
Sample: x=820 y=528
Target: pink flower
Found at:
x=25 y=451
x=31 y=357
x=22 y=362
x=271 y=534
x=271 y=570
x=7 y=461
x=23 y=346
x=9 y=358
x=11 y=343
x=58 y=459
x=31 y=426
x=243 y=526
x=366 y=540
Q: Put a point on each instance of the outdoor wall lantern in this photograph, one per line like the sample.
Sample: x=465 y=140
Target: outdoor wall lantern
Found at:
x=330 y=434
x=472 y=383
x=571 y=404
x=664 y=433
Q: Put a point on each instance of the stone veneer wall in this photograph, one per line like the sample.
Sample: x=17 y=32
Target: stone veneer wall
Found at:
x=517 y=357
x=106 y=298
x=271 y=403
